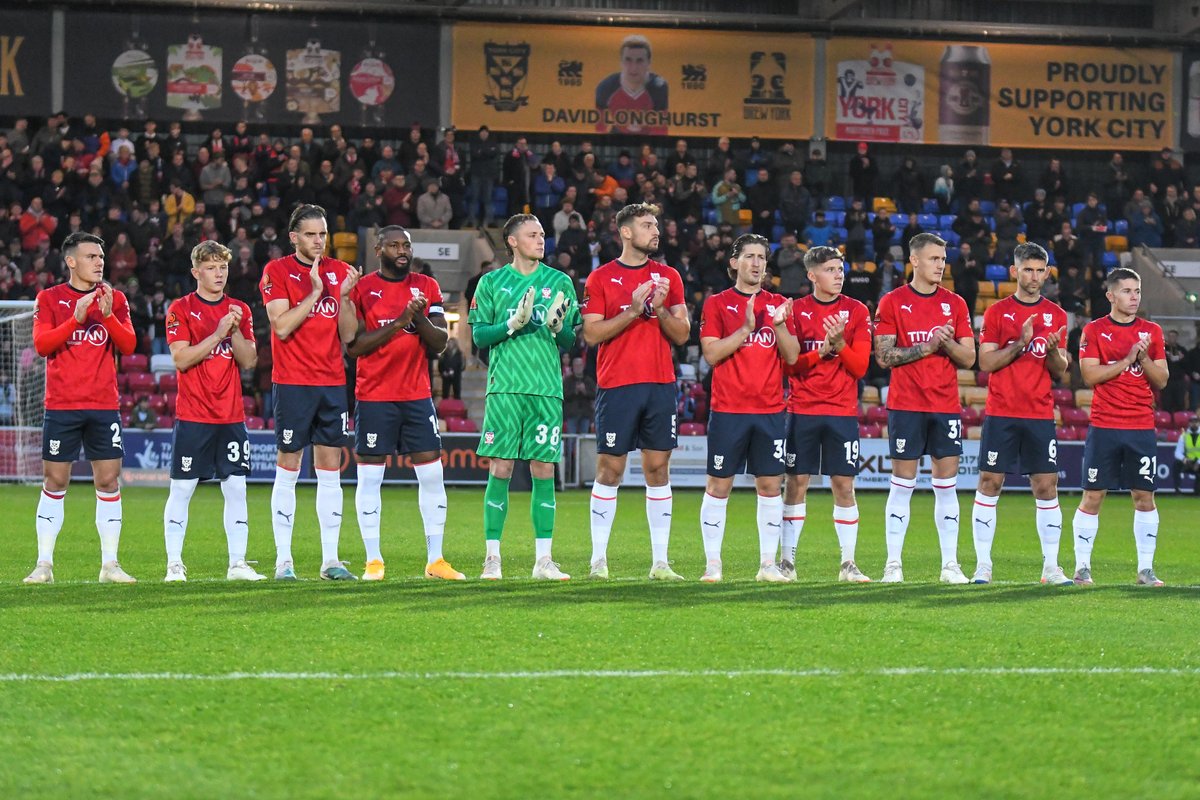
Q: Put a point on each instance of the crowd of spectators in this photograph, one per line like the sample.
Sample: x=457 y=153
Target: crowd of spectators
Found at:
x=152 y=195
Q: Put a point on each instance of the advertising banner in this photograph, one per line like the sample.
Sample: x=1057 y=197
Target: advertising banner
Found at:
x=1189 y=137
x=565 y=79
x=25 y=63
x=1003 y=95
x=261 y=68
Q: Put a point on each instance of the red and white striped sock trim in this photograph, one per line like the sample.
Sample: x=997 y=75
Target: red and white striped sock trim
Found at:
x=108 y=498
x=52 y=495
x=837 y=521
x=950 y=485
x=598 y=497
x=989 y=505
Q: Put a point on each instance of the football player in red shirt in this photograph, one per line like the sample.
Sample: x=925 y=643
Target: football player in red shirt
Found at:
x=398 y=317
x=633 y=309
x=834 y=332
x=744 y=335
x=1023 y=346
x=923 y=334
x=303 y=293
x=1123 y=357
x=79 y=327
x=211 y=337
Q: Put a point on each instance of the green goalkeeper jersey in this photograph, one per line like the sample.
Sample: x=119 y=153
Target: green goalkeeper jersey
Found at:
x=528 y=361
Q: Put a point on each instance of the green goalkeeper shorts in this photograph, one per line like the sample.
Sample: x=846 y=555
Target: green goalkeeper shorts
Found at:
x=522 y=427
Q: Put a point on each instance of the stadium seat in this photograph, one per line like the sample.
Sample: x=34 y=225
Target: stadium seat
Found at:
x=1083 y=397
x=461 y=425
x=168 y=382
x=141 y=383
x=135 y=362
x=1007 y=289
x=870 y=430
x=996 y=273
x=837 y=203
x=1064 y=434
x=122 y=382
x=1116 y=244
x=165 y=422
x=349 y=240
x=877 y=415
x=271 y=424
x=951 y=238
x=1122 y=227
x=987 y=207
x=692 y=429
x=1170 y=435
x=255 y=423
x=973 y=395
x=900 y=221
x=451 y=408
x=970 y=416
x=158 y=402
x=249 y=405
x=966 y=377
x=1064 y=398
x=982 y=378
x=1182 y=418
x=162 y=363
x=172 y=398
x=883 y=205
x=927 y=221
x=946 y=221
x=930 y=206
x=1075 y=416
x=1163 y=419
x=777 y=232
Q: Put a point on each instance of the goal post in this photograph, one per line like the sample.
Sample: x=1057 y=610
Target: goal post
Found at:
x=22 y=394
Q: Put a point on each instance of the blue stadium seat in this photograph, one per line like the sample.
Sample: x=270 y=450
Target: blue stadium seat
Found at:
x=837 y=203
x=951 y=238
x=1076 y=208
x=898 y=236
x=1050 y=257
x=1110 y=260
x=750 y=178
x=930 y=206
x=500 y=195
x=900 y=220
x=549 y=246
x=710 y=216
x=840 y=234
x=946 y=221
x=836 y=218
x=991 y=221
x=500 y=209
x=987 y=207
x=996 y=272
x=1122 y=227
x=927 y=221
x=774 y=246
x=777 y=232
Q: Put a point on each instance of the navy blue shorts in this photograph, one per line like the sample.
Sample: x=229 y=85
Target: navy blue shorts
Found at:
x=98 y=432
x=754 y=442
x=1120 y=459
x=383 y=428
x=203 y=450
x=307 y=415
x=912 y=434
x=1018 y=446
x=640 y=416
x=820 y=445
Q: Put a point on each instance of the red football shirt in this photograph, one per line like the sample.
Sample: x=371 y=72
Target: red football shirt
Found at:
x=398 y=371
x=641 y=353
x=1125 y=402
x=82 y=372
x=931 y=383
x=751 y=380
x=312 y=355
x=827 y=388
x=210 y=391
x=1022 y=388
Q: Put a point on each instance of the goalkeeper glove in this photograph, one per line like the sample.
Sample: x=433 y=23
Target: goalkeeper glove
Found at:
x=523 y=312
x=557 y=313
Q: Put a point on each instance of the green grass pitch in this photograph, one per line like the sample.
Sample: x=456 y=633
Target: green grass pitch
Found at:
x=624 y=689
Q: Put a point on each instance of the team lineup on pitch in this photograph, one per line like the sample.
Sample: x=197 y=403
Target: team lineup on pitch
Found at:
x=525 y=314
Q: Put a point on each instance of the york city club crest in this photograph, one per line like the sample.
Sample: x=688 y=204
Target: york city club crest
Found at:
x=507 y=67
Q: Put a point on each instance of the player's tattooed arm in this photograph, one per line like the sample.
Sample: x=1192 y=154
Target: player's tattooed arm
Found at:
x=888 y=355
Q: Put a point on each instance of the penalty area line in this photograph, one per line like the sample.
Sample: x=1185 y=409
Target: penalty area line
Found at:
x=590 y=674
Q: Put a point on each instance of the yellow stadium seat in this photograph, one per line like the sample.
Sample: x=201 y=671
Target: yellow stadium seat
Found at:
x=883 y=205
x=347 y=254
x=1008 y=288
x=870 y=395
x=987 y=289
x=341 y=240
x=974 y=395
x=745 y=216
x=966 y=377
x=1116 y=244
x=1083 y=398
x=870 y=266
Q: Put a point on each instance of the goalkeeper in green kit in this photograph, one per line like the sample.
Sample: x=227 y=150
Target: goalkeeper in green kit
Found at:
x=525 y=311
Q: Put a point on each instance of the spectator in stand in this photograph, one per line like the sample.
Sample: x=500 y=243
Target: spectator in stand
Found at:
x=883 y=231
x=485 y=170
x=786 y=161
x=728 y=197
x=970 y=178
x=1039 y=223
x=763 y=201
x=719 y=162
x=890 y=272
x=1166 y=171
x=1054 y=180
x=1187 y=233
x=910 y=230
x=178 y=204
x=1174 y=394
x=680 y=155
x=519 y=166
x=1008 y=228
x=712 y=265
x=446 y=153
x=973 y=231
x=143 y=416
x=122 y=260
x=1133 y=208
x=8 y=399
x=399 y=203
x=795 y=202
x=36 y=226
x=433 y=207
x=1092 y=226
x=864 y=173
x=1008 y=176
x=857 y=222
x=1170 y=211
x=548 y=189
x=450 y=367
x=1118 y=187
x=943 y=189
x=861 y=285
x=122 y=171
x=1191 y=365
x=967 y=272
x=787 y=263
x=1144 y=229
x=1072 y=293
x=158 y=320
x=579 y=397
x=366 y=215
x=819 y=233
x=818 y=178
x=574 y=243
x=910 y=187
x=686 y=193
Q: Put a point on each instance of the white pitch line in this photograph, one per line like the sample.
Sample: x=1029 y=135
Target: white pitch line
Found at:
x=591 y=674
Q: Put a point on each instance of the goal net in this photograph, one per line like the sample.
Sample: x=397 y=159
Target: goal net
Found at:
x=22 y=394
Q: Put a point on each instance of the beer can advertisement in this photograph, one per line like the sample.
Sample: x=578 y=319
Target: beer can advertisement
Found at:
x=193 y=75
x=1003 y=95
x=634 y=81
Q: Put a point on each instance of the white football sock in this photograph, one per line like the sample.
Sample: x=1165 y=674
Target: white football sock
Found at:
x=845 y=524
x=49 y=521
x=897 y=511
x=945 y=516
x=493 y=547
x=431 y=499
x=770 y=526
x=983 y=527
x=283 y=511
x=712 y=525
x=1145 y=537
x=1049 y=528
x=793 y=526
x=603 y=508
x=108 y=523
x=369 y=506
x=329 y=513
x=236 y=517
x=659 y=506
x=542 y=547
x=175 y=516
x=1085 y=526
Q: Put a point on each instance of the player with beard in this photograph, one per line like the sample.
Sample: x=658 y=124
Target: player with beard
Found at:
x=398 y=318
x=744 y=335
x=303 y=293
x=633 y=309
x=1124 y=358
